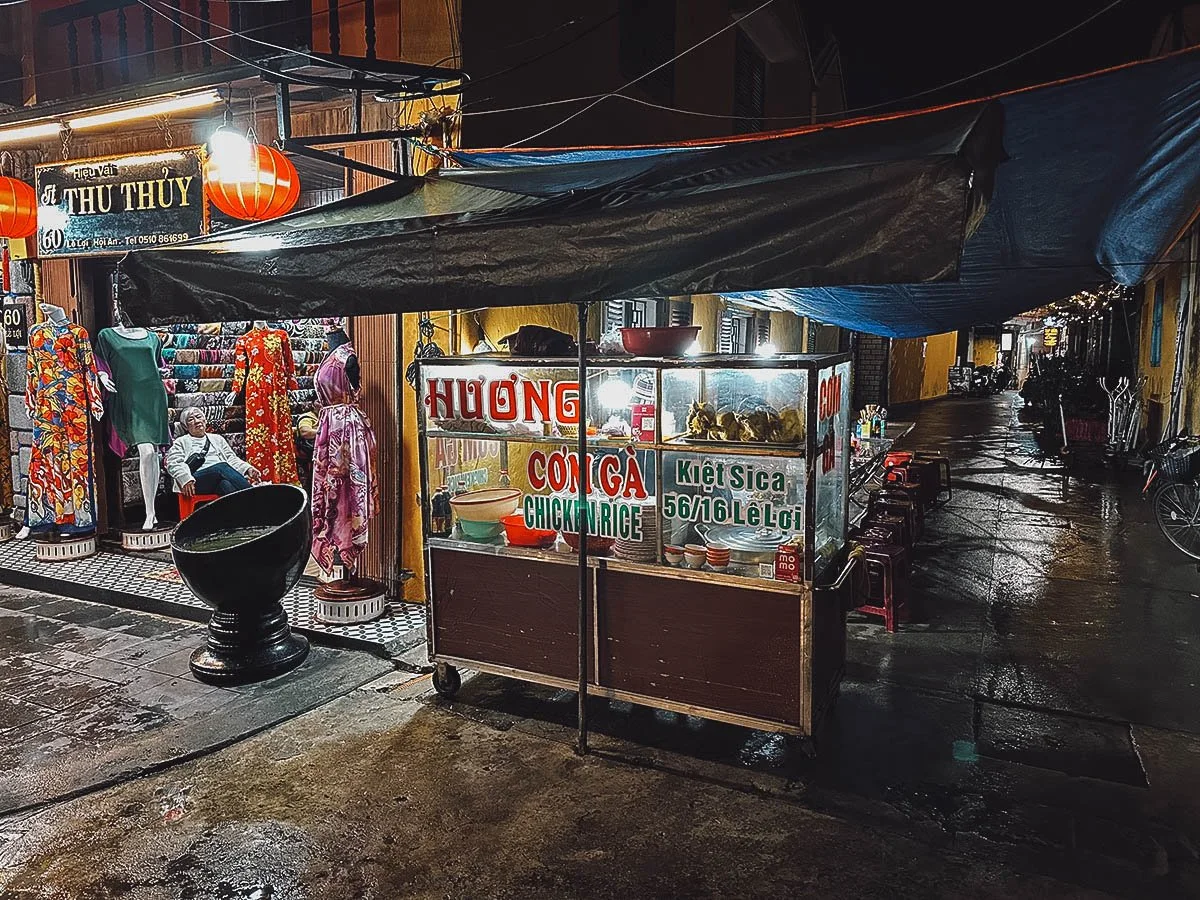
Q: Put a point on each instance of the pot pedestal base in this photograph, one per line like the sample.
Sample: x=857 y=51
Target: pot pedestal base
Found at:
x=65 y=548
x=247 y=647
x=350 y=600
x=158 y=538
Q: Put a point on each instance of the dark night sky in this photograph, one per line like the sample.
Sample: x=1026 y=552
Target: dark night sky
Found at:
x=891 y=50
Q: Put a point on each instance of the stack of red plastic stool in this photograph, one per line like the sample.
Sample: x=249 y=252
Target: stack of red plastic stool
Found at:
x=930 y=470
x=887 y=583
x=884 y=539
x=900 y=500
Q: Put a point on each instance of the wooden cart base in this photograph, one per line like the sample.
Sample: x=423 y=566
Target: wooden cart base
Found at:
x=752 y=654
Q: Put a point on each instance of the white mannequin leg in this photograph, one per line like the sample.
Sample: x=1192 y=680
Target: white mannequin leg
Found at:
x=150 y=466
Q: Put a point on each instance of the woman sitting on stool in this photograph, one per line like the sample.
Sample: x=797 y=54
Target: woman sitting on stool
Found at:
x=204 y=463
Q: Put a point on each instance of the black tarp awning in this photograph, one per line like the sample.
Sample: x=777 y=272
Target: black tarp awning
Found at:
x=868 y=224
x=885 y=201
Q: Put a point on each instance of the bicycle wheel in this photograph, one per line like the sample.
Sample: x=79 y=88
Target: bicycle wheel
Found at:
x=1177 y=509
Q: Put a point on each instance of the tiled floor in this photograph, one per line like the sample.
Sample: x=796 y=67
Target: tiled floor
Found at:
x=130 y=581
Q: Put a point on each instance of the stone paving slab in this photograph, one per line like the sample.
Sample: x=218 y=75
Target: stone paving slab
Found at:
x=82 y=705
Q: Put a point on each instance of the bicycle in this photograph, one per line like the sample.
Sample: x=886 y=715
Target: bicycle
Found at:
x=1174 y=466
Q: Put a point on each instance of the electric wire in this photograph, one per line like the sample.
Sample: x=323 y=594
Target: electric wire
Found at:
x=800 y=116
x=184 y=46
x=230 y=33
x=290 y=76
x=662 y=65
x=475 y=82
x=986 y=71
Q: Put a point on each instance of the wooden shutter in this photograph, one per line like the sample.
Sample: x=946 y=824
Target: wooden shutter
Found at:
x=681 y=312
x=725 y=334
x=762 y=323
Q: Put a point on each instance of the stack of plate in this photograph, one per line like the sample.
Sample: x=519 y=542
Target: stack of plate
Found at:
x=645 y=550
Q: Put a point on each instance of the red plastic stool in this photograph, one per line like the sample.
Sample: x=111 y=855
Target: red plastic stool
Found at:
x=942 y=464
x=886 y=537
x=886 y=584
x=912 y=473
x=915 y=494
x=898 y=503
x=187 y=505
x=896 y=526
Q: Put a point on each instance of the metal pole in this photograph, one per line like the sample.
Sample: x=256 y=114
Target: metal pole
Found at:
x=582 y=524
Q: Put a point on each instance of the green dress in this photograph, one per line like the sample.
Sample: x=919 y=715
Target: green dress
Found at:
x=139 y=407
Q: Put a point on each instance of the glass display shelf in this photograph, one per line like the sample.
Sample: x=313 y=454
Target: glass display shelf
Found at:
x=498 y=547
x=674 y=443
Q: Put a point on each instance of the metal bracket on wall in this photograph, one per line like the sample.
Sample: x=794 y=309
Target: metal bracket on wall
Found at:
x=336 y=74
x=303 y=146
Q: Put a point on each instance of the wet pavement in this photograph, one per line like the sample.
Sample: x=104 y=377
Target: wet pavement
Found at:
x=90 y=695
x=1033 y=732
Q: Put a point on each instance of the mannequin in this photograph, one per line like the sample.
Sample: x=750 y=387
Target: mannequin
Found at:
x=345 y=489
x=140 y=413
x=335 y=336
x=257 y=325
x=264 y=372
x=60 y=380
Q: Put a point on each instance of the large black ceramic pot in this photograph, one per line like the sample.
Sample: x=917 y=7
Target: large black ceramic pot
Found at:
x=240 y=554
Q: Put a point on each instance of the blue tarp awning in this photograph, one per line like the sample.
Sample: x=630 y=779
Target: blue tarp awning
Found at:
x=1102 y=175
x=901 y=225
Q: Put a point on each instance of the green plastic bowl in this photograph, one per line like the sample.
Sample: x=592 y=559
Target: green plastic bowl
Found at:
x=480 y=531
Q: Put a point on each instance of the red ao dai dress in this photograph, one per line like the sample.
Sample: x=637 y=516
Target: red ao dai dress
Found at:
x=265 y=371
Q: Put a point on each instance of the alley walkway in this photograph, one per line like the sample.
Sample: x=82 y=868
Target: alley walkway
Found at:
x=1056 y=629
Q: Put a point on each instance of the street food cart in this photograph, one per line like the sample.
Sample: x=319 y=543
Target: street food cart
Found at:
x=716 y=505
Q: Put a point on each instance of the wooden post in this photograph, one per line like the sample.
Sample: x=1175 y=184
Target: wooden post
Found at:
x=582 y=524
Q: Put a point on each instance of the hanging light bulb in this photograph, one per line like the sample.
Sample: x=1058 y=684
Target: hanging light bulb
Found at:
x=230 y=149
x=614 y=393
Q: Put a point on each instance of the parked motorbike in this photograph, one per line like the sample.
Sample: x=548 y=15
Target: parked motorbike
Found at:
x=983 y=381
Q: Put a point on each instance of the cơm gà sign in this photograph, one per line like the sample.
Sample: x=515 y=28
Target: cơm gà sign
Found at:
x=120 y=203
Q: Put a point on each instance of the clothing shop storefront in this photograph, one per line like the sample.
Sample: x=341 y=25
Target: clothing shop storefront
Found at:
x=94 y=405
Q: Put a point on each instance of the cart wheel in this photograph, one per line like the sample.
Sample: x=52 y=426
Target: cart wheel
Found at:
x=446 y=680
x=803 y=745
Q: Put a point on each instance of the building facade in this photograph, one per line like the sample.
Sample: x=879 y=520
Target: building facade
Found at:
x=61 y=62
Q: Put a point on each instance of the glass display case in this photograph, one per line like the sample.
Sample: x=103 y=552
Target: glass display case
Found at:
x=727 y=472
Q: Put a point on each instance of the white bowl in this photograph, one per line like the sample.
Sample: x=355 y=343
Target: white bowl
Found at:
x=487 y=505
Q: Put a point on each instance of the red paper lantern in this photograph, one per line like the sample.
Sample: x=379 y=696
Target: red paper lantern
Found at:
x=18 y=208
x=263 y=186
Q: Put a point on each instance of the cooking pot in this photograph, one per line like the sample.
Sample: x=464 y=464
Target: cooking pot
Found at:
x=747 y=546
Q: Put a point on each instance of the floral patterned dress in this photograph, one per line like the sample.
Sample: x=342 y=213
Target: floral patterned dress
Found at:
x=63 y=392
x=6 y=482
x=265 y=370
x=345 y=489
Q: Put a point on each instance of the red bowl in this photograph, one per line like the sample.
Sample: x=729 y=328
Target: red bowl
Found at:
x=669 y=341
x=597 y=545
x=520 y=536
